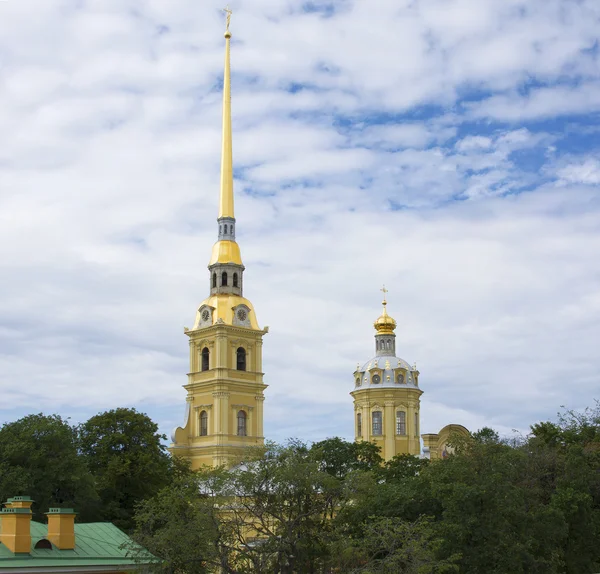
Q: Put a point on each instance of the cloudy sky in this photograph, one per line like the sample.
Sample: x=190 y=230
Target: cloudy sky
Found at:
x=447 y=148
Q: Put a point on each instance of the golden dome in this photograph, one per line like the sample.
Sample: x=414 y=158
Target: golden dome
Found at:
x=385 y=324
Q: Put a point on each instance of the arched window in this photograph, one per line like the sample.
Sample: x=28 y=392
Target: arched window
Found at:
x=241 y=420
x=205 y=356
x=235 y=279
x=358 y=424
x=225 y=229
x=224 y=279
x=44 y=544
x=400 y=422
x=214 y=280
x=203 y=423
x=241 y=359
x=220 y=229
x=416 y=424
x=377 y=423
x=400 y=379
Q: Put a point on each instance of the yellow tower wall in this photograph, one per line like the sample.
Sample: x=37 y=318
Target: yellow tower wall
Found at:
x=222 y=391
x=388 y=401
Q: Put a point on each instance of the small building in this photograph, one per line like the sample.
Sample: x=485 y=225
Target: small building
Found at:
x=62 y=545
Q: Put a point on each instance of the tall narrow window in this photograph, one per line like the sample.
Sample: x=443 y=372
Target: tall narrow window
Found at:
x=241 y=359
x=417 y=424
x=241 y=420
x=235 y=279
x=203 y=423
x=377 y=426
x=224 y=279
x=358 y=424
x=225 y=229
x=214 y=280
x=400 y=422
x=205 y=356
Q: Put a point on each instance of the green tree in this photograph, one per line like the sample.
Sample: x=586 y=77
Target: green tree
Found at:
x=39 y=458
x=338 y=457
x=395 y=546
x=124 y=452
x=179 y=528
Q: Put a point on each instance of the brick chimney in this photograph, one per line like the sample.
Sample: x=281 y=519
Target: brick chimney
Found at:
x=61 y=527
x=15 y=533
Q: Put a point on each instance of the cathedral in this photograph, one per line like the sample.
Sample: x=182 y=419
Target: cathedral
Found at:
x=225 y=387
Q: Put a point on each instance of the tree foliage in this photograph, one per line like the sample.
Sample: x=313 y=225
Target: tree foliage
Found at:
x=493 y=506
x=102 y=468
x=39 y=457
x=124 y=452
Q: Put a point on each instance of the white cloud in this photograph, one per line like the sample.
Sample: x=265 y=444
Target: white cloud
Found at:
x=368 y=152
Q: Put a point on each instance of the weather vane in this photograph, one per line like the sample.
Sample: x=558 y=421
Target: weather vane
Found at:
x=227 y=11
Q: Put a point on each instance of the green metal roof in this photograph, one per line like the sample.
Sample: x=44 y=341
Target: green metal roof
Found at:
x=96 y=544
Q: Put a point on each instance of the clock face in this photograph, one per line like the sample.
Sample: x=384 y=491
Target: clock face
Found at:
x=205 y=315
x=242 y=315
x=376 y=379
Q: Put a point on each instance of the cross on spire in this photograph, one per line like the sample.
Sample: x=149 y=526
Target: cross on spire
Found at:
x=229 y=12
x=384 y=291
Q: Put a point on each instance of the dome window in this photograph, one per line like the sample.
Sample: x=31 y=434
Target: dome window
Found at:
x=400 y=423
x=214 y=283
x=235 y=279
x=400 y=379
x=377 y=423
x=225 y=229
x=224 y=279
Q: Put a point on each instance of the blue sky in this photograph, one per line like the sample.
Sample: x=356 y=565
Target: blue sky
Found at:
x=449 y=149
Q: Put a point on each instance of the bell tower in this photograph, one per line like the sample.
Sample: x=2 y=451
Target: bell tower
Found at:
x=225 y=388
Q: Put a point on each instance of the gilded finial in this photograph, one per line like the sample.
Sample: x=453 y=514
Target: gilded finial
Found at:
x=229 y=12
x=385 y=292
x=385 y=324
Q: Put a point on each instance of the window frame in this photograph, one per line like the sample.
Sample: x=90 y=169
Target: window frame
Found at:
x=377 y=423
x=204 y=423
x=205 y=359
x=242 y=423
x=401 y=423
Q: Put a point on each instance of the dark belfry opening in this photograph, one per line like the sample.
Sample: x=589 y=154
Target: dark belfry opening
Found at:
x=235 y=280
x=205 y=357
x=214 y=283
x=241 y=359
x=224 y=279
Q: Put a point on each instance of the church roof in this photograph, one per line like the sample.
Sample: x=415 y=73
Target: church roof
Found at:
x=100 y=546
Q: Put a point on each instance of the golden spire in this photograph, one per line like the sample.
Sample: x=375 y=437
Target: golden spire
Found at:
x=385 y=325
x=226 y=199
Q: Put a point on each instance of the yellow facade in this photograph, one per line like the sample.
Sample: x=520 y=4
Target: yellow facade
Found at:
x=219 y=395
x=225 y=388
x=390 y=403
x=435 y=445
